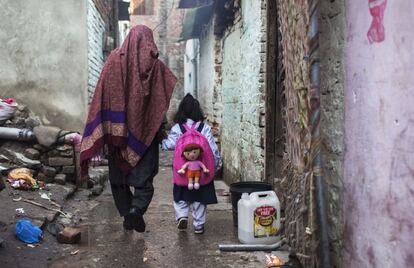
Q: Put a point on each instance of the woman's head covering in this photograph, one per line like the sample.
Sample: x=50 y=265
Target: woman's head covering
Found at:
x=130 y=101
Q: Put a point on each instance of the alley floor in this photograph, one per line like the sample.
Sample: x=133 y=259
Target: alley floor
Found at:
x=105 y=243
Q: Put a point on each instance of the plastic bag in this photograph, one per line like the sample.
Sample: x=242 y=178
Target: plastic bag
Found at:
x=7 y=109
x=27 y=232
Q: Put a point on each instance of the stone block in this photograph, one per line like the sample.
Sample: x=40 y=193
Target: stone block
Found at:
x=69 y=235
x=49 y=171
x=68 y=170
x=60 y=161
x=60 y=179
x=96 y=190
x=32 y=153
x=42 y=177
x=65 y=151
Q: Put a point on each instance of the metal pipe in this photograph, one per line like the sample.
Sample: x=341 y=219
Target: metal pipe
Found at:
x=250 y=247
x=16 y=134
x=324 y=260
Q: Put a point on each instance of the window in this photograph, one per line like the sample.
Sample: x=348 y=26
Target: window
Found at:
x=142 y=7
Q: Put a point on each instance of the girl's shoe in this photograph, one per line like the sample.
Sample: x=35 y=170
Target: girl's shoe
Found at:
x=199 y=230
x=190 y=186
x=196 y=186
x=182 y=223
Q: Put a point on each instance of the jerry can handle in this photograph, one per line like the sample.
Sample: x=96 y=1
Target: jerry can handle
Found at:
x=262 y=194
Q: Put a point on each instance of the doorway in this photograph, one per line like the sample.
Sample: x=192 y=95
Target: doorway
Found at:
x=275 y=144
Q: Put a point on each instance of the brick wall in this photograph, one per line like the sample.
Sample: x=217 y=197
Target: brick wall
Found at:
x=96 y=30
x=231 y=89
x=243 y=67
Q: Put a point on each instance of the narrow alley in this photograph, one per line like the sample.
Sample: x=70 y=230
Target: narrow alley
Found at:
x=289 y=123
x=106 y=244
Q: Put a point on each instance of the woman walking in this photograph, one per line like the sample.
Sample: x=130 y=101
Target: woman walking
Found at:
x=128 y=108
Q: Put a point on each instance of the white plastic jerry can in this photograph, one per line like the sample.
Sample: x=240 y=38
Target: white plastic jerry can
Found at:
x=258 y=218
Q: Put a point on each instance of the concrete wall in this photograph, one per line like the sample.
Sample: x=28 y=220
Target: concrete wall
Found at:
x=332 y=76
x=207 y=72
x=43 y=58
x=243 y=56
x=96 y=30
x=379 y=127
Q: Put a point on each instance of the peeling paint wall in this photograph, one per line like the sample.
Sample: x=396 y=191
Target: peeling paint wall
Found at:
x=379 y=136
x=242 y=87
x=45 y=65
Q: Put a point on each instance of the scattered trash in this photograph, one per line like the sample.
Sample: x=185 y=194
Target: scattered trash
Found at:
x=20 y=210
x=27 y=232
x=95 y=259
x=144 y=259
x=22 y=178
x=42 y=206
x=7 y=109
x=54 y=228
x=308 y=230
x=69 y=235
x=273 y=261
x=32 y=245
x=45 y=196
x=74 y=252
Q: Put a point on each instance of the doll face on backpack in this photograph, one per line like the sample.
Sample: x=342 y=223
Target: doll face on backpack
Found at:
x=192 y=152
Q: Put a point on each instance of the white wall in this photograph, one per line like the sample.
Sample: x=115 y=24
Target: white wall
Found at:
x=96 y=30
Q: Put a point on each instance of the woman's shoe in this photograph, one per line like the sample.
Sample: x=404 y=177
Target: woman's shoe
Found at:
x=137 y=220
x=128 y=222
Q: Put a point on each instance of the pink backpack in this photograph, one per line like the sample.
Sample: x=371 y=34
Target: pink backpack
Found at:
x=192 y=136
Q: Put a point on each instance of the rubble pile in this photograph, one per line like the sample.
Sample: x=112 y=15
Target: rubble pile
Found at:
x=49 y=152
x=41 y=165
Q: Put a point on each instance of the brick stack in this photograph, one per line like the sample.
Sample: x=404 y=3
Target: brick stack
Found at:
x=58 y=165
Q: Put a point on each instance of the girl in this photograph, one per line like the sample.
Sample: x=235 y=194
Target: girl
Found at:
x=189 y=112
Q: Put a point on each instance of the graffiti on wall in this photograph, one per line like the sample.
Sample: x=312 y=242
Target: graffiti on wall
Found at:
x=376 y=32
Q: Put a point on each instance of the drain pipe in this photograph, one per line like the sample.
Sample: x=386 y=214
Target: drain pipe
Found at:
x=16 y=134
x=250 y=247
x=315 y=119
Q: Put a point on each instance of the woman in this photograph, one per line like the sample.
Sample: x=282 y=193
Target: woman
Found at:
x=127 y=110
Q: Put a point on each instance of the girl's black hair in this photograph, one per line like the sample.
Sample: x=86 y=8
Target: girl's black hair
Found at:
x=189 y=108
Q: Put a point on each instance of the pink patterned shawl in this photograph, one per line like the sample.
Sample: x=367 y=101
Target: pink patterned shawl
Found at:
x=130 y=101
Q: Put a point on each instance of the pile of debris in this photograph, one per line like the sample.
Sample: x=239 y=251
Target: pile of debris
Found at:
x=41 y=165
x=52 y=154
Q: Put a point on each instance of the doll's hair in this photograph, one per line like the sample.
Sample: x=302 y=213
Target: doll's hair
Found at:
x=191 y=147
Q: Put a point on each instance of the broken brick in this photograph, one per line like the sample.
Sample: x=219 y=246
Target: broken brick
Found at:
x=32 y=154
x=69 y=235
x=60 y=179
x=68 y=170
x=60 y=161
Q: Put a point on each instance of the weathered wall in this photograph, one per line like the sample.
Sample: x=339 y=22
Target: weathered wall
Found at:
x=45 y=65
x=242 y=89
x=296 y=188
x=166 y=21
x=331 y=47
x=379 y=127
x=206 y=70
x=96 y=30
